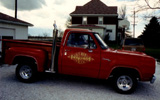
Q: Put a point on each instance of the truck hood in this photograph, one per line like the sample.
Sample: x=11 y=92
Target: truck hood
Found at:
x=127 y=58
x=131 y=52
x=126 y=52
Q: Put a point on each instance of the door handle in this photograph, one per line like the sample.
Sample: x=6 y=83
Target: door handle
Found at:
x=90 y=50
x=67 y=50
x=106 y=59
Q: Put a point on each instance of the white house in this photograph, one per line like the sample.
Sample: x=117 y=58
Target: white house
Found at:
x=97 y=16
x=12 y=28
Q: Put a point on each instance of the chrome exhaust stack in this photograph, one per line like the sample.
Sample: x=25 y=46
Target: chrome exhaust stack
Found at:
x=55 y=32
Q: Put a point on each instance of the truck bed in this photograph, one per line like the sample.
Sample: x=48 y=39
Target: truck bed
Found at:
x=43 y=45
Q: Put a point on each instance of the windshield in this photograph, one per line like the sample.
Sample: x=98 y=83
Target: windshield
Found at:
x=100 y=41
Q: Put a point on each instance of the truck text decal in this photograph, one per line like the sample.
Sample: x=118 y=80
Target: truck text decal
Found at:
x=80 y=58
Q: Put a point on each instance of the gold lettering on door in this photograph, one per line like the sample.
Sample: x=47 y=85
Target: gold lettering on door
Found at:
x=80 y=58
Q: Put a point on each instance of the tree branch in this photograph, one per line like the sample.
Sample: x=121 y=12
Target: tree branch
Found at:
x=147 y=2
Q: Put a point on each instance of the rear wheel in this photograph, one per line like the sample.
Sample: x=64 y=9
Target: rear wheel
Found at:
x=125 y=83
x=26 y=72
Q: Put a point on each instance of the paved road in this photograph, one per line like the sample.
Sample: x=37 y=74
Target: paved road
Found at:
x=53 y=87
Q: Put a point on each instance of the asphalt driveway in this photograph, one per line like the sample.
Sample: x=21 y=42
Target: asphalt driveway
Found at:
x=60 y=87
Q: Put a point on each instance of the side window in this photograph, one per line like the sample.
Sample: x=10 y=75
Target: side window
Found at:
x=80 y=41
x=92 y=43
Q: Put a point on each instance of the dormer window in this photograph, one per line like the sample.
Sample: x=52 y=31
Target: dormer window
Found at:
x=100 y=20
x=84 y=20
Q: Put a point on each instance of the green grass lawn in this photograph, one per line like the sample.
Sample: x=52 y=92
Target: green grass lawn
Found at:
x=114 y=46
x=153 y=52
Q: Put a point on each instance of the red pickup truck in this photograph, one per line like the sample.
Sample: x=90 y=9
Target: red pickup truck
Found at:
x=80 y=53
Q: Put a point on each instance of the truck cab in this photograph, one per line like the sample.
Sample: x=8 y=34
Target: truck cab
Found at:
x=80 y=52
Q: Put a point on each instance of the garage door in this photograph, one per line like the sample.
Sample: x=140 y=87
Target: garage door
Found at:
x=6 y=33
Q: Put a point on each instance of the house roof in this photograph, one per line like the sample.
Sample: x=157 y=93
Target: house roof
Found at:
x=11 y=20
x=95 y=7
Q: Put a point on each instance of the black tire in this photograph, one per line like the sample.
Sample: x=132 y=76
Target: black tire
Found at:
x=125 y=83
x=26 y=72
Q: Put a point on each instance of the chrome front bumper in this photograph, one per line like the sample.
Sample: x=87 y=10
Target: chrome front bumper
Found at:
x=152 y=79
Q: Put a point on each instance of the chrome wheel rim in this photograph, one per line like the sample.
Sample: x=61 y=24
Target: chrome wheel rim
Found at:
x=25 y=72
x=124 y=83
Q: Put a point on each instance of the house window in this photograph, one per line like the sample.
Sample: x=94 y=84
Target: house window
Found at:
x=84 y=20
x=7 y=37
x=92 y=20
x=110 y=20
x=100 y=20
x=109 y=30
x=76 y=20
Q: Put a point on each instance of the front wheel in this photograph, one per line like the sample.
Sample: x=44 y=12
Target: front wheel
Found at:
x=25 y=72
x=125 y=83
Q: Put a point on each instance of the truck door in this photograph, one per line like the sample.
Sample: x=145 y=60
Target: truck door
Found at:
x=81 y=56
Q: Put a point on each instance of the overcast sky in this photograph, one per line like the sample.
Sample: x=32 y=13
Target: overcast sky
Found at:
x=42 y=13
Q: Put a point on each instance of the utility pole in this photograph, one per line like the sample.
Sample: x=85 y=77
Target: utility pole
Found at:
x=134 y=22
x=16 y=9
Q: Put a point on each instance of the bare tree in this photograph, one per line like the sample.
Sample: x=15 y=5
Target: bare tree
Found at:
x=68 y=22
x=45 y=35
x=144 y=5
x=60 y=32
x=122 y=12
x=150 y=7
x=148 y=4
